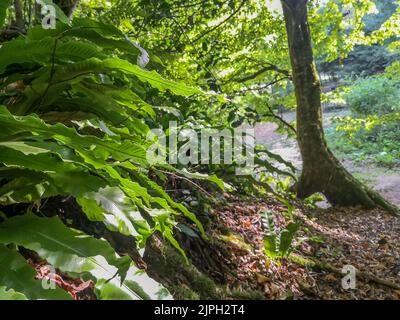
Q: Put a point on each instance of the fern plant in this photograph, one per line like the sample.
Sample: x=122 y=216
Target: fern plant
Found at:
x=74 y=116
x=278 y=243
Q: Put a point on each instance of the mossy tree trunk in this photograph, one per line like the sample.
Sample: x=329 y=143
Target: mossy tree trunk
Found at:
x=322 y=172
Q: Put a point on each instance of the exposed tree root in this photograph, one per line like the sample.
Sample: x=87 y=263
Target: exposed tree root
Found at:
x=342 y=189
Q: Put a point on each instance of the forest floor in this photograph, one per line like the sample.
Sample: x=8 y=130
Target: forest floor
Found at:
x=366 y=240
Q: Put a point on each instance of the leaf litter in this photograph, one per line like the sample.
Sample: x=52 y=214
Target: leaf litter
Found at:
x=368 y=240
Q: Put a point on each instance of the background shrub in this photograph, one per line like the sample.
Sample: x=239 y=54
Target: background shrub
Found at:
x=376 y=95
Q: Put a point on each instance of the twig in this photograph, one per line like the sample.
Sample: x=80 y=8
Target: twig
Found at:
x=221 y=23
x=287 y=124
x=186 y=179
x=266 y=86
x=269 y=67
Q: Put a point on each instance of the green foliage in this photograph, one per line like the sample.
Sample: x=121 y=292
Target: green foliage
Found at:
x=278 y=243
x=67 y=250
x=378 y=95
x=338 y=26
x=10 y=295
x=75 y=110
x=372 y=131
x=376 y=33
x=78 y=128
x=58 y=244
x=17 y=275
x=370 y=138
x=3 y=11
x=393 y=71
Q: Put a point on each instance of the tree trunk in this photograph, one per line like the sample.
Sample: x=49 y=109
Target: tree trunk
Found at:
x=67 y=6
x=19 y=15
x=322 y=172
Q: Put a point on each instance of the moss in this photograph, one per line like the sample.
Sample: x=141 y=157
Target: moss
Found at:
x=183 y=292
x=185 y=281
x=247 y=295
x=236 y=240
x=206 y=287
x=200 y=284
x=301 y=261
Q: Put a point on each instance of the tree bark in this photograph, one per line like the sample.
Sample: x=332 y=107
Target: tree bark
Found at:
x=322 y=172
x=19 y=16
x=17 y=25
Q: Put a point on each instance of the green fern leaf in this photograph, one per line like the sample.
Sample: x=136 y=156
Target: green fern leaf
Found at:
x=49 y=236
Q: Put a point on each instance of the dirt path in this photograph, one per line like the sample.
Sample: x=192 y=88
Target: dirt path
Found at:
x=383 y=180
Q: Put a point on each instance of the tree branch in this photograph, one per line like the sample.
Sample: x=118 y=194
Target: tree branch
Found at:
x=221 y=23
x=270 y=67
x=266 y=86
x=287 y=124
